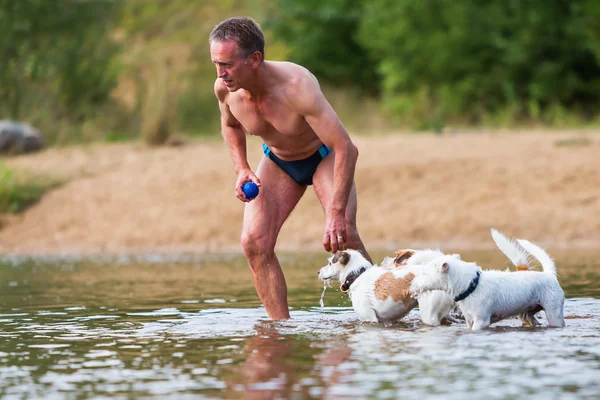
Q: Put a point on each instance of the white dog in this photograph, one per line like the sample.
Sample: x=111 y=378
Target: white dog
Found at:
x=434 y=305
x=520 y=259
x=485 y=297
x=383 y=294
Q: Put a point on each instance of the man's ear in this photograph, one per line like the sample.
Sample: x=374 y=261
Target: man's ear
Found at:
x=255 y=59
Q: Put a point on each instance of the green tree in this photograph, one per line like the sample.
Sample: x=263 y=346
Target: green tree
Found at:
x=322 y=36
x=176 y=32
x=57 y=54
x=444 y=59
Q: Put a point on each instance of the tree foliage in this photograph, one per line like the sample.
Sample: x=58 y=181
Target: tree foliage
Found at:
x=60 y=51
x=473 y=58
x=176 y=32
x=427 y=61
x=323 y=37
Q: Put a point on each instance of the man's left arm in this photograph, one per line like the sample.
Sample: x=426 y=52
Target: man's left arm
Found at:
x=319 y=114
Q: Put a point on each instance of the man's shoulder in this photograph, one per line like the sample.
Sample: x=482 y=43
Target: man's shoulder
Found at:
x=295 y=74
x=221 y=90
x=299 y=82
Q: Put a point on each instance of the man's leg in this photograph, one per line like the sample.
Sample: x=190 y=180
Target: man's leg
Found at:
x=323 y=182
x=263 y=219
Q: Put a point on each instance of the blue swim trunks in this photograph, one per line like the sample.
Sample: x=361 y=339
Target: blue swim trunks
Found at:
x=301 y=171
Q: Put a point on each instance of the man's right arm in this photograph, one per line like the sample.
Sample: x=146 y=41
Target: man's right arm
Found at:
x=235 y=138
x=232 y=130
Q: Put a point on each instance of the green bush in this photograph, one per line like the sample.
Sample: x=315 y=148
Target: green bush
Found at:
x=470 y=59
x=59 y=64
x=427 y=62
x=323 y=37
x=175 y=32
x=155 y=116
x=19 y=191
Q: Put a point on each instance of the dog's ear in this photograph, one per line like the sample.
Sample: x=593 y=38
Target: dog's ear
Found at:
x=341 y=256
x=444 y=267
x=403 y=255
x=344 y=258
x=457 y=256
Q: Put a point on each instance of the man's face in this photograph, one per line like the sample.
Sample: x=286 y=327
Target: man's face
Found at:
x=232 y=68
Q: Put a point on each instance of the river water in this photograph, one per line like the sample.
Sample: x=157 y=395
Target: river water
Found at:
x=193 y=327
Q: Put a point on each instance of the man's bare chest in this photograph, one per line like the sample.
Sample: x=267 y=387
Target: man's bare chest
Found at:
x=266 y=118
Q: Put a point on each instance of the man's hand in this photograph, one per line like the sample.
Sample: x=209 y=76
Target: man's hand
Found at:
x=245 y=175
x=335 y=235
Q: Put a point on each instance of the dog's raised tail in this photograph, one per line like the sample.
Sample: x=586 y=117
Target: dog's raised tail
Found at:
x=540 y=254
x=511 y=249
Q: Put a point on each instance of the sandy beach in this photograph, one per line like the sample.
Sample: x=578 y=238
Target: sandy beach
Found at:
x=415 y=190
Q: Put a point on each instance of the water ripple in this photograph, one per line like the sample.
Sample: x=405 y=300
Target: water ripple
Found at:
x=219 y=344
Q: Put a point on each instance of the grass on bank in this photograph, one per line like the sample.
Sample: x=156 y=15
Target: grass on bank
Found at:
x=20 y=190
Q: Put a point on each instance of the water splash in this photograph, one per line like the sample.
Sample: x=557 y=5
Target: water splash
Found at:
x=321 y=303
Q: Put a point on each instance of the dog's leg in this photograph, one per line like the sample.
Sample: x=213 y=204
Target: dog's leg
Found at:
x=554 y=314
x=456 y=313
x=450 y=319
x=529 y=320
x=434 y=307
x=366 y=314
x=528 y=317
x=555 y=319
x=374 y=317
x=481 y=322
x=469 y=322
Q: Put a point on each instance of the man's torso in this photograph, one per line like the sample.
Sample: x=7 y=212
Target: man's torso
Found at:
x=283 y=129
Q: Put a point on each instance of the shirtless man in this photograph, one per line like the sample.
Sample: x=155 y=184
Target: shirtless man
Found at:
x=304 y=143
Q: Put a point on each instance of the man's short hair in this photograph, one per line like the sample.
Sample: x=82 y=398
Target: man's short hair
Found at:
x=245 y=31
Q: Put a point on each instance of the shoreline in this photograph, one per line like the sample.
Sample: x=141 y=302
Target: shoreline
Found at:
x=182 y=253
x=415 y=191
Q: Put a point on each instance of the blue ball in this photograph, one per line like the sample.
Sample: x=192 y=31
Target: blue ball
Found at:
x=250 y=190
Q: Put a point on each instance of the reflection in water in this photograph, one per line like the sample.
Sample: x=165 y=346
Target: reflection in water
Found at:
x=177 y=330
x=330 y=370
x=277 y=366
x=266 y=374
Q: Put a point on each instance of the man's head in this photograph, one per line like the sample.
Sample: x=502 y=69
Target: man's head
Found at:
x=237 y=47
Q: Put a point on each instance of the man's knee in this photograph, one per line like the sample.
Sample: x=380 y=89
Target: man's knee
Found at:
x=256 y=243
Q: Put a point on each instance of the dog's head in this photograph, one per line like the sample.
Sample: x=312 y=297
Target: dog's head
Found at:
x=408 y=257
x=402 y=257
x=436 y=274
x=344 y=266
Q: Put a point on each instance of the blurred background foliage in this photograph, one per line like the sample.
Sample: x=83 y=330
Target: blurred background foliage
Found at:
x=58 y=65
x=86 y=70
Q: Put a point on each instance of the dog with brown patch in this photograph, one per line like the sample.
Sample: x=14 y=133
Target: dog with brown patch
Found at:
x=378 y=294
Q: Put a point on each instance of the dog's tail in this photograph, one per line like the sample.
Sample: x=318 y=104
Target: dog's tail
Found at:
x=540 y=254
x=512 y=250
